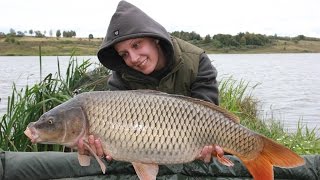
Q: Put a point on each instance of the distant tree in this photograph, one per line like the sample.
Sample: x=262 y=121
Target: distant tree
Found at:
x=243 y=41
x=2 y=34
x=12 y=32
x=207 y=38
x=58 y=33
x=31 y=32
x=90 y=36
x=195 y=36
x=38 y=34
x=226 y=40
x=69 y=34
x=186 y=35
x=50 y=33
x=65 y=34
x=20 y=34
x=300 y=37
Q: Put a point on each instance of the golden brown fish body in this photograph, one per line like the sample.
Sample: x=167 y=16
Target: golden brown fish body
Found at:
x=157 y=128
x=149 y=127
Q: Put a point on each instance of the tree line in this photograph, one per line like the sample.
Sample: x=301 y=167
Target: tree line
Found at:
x=40 y=34
x=219 y=40
x=240 y=40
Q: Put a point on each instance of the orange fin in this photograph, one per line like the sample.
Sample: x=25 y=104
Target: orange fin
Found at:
x=146 y=171
x=272 y=154
x=219 y=153
x=102 y=165
x=225 y=161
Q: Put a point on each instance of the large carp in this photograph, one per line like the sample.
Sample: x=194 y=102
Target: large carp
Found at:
x=148 y=128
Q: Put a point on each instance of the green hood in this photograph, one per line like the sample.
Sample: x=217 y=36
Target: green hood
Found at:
x=130 y=22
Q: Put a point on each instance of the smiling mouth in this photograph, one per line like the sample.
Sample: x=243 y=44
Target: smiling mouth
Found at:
x=141 y=64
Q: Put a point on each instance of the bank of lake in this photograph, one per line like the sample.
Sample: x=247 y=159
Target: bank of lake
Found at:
x=52 y=46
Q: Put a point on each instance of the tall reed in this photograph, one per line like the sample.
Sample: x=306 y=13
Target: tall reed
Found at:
x=236 y=97
x=29 y=103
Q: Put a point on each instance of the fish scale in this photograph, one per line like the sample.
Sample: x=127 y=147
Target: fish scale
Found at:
x=142 y=127
x=148 y=128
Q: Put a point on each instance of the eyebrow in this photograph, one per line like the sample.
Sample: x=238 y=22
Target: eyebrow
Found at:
x=131 y=41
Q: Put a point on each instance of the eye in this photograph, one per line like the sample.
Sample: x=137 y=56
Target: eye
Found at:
x=123 y=55
x=136 y=45
x=50 y=121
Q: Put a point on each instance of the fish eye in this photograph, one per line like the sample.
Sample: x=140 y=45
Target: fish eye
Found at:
x=50 y=121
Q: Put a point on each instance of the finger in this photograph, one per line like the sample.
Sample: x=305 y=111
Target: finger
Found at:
x=218 y=150
x=98 y=147
x=108 y=157
x=81 y=149
x=92 y=143
x=207 y=158
x=203 y=153
x=207 y=155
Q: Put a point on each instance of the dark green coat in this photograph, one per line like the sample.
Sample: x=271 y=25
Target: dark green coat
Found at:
x=188 y=71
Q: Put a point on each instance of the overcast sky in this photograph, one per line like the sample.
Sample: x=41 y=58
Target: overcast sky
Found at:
x=269 y=17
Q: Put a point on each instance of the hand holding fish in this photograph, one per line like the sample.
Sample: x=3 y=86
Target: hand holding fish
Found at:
x=95 y=145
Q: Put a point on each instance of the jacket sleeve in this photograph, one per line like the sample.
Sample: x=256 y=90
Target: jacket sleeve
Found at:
x=115 y=82
x=205 y=85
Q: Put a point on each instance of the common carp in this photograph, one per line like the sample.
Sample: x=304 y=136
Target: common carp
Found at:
x=148 y=128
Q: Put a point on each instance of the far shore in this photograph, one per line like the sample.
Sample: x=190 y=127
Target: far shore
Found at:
x=52 y=46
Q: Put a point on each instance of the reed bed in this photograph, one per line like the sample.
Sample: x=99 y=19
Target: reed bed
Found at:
x=236 y=97
x=28 y=104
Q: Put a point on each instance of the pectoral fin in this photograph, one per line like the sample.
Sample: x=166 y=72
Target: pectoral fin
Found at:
x=225 y=161
x=219 y=153
x=146 y=171
x=102 y=165
x=84 y=160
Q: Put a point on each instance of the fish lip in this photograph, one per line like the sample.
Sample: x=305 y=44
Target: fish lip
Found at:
x=32 y=134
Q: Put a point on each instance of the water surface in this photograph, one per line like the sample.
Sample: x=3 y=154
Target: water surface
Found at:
x=289 y=86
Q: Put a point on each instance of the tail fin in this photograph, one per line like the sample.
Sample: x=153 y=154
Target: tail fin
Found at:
x=272 y=154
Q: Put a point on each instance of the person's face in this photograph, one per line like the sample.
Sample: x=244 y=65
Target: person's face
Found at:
x=142 y=54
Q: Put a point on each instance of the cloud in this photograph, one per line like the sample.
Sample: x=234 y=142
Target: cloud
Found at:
x=285 y=17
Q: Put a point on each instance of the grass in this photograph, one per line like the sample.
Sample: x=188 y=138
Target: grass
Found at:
x=235 y=97
x=27 y=104
x=28 y=46
x=278 y=46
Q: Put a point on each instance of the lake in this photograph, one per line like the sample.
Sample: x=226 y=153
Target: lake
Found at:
x=288 y=84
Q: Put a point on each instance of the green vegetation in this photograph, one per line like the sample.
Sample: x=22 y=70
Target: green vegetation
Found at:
x=28 y=46
x=17 y=44
x=235 y=97
x=26 y=105
x=251 y=43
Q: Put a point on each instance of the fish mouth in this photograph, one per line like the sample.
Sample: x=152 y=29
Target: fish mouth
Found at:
x=32 y=135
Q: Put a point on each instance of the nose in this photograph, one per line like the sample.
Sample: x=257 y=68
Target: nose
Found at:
x=134 y=57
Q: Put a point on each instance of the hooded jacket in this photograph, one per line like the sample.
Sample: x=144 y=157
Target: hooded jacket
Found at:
x=188 y=71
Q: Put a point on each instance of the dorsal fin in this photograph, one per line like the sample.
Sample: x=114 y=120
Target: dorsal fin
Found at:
x=225 y=112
